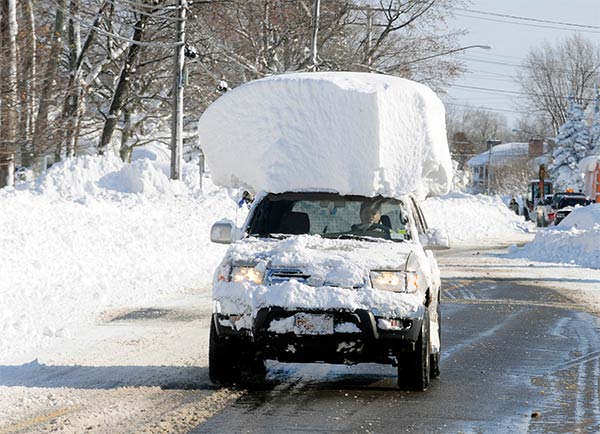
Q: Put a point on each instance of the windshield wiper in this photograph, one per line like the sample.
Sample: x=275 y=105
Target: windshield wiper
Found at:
x=355 y=237
x=276 y=236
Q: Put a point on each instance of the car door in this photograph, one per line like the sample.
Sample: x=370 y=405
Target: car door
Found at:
x=422 y=227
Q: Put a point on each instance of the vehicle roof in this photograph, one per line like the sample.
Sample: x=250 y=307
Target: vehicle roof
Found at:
x=569 y=193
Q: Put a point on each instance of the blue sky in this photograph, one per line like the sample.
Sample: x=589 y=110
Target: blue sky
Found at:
x=510 y=42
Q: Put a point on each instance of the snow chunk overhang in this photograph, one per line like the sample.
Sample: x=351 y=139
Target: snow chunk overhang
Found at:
x=354 y=133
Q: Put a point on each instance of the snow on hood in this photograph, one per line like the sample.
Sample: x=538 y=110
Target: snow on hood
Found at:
x=335 y=267
x=354 y=133
x=335 y=262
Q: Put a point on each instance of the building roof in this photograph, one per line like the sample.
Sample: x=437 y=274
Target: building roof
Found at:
x=504 y=153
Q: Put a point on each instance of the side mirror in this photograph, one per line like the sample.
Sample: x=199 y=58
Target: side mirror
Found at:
x=223 y=232
x=435 y=239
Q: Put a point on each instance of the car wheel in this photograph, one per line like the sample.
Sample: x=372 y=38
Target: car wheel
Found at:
x=434 y=361
x=233 y=362
x=223 y=362
x=414 y=371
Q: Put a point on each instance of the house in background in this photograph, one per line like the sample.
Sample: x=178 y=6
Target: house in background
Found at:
x=486 y=167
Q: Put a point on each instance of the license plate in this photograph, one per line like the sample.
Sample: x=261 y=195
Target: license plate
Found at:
x=311 y=324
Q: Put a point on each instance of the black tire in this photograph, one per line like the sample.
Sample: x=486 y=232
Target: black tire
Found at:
x=223 y=366
x=434 y=361
x=414 y=370
x=233 y=362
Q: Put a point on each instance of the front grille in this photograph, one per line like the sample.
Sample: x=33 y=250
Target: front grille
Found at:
x=280 y=275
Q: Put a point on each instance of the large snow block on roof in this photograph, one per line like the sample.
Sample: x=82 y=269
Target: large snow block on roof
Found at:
x=354 y=133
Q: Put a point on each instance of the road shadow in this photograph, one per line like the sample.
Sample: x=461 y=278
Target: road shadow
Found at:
x=35 y=374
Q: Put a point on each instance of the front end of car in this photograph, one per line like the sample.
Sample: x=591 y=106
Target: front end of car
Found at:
x=291 y=315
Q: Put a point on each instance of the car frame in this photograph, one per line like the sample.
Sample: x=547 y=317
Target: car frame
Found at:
x=237 y=354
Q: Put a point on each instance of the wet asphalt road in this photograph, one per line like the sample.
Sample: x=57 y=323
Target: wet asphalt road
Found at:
x=515 y=359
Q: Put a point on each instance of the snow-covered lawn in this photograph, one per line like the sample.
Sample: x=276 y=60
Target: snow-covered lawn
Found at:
x=94 y=234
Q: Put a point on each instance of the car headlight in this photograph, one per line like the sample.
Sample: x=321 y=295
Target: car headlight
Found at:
x=397 y=281
x=246 y=274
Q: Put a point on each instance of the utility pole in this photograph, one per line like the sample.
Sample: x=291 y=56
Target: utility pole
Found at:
x=315 y=30
x=177 y=115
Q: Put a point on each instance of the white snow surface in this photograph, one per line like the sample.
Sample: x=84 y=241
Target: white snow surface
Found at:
x=354 y=133
x=575 y=240
x=475 y=219
x=94 y=234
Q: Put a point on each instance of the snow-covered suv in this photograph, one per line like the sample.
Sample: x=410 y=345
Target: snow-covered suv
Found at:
x=308 y=280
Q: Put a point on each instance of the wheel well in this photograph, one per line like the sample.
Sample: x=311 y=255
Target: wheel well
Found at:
x=428 y=297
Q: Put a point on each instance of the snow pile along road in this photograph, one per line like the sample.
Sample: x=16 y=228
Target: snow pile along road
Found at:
x=354 y=133
x=575 y=240
x=94 y=234
x=476 y=220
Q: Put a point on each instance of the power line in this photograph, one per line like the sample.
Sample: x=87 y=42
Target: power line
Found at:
x=485 y=108
x=526 y=24
x=515 y=92
x=494 y=62
x=516 y=17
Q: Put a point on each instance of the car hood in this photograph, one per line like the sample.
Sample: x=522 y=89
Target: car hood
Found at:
x=328 y=262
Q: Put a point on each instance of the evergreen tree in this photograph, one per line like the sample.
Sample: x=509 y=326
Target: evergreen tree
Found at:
x=595 y=130
x=572 y=144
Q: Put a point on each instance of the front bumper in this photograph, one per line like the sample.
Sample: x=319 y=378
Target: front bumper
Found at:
x=370 y=339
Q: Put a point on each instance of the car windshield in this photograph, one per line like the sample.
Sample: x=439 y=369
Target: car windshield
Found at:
x=573 y=201
x=330 y=216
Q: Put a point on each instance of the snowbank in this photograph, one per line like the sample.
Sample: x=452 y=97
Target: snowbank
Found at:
x=93 y=234
x=354 y=133
x=475 y=220
x=574 y=241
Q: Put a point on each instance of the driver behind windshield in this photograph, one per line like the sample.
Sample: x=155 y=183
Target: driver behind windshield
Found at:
x=370 y=213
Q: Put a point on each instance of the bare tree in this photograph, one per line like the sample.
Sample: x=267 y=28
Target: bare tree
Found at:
x=478 y=126
x=551 y=73
x=40 y=141
x=244 y=40
x=8 y=118
x=122 y=86
x=27 y=80
x=78 y=82
x=91 y=69
x=512 y=177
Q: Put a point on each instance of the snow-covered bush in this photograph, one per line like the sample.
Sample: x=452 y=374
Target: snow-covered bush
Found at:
x=572 y=144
